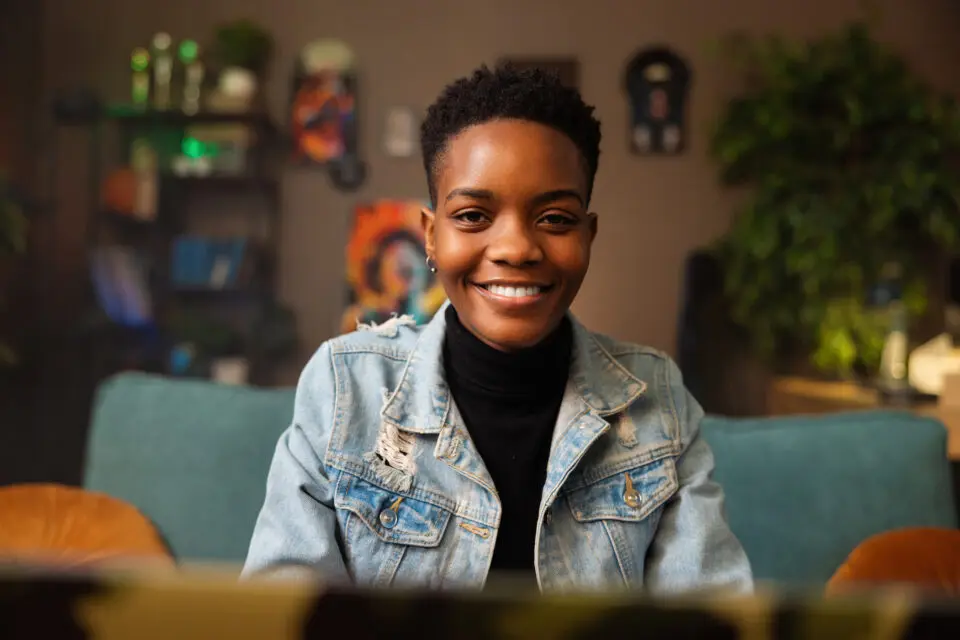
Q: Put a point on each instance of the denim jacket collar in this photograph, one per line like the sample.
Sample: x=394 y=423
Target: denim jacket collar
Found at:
x=421 y=403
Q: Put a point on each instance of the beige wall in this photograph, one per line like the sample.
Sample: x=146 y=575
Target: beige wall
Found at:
x=653 y=211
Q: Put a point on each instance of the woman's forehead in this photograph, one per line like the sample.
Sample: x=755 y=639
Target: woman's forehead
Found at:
x=508 y=157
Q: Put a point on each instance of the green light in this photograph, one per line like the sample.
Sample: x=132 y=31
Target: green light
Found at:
x=140 y=59
x=189 y=51
x=193 y=148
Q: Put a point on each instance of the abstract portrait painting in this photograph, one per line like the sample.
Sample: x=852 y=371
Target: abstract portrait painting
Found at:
x=387 y=272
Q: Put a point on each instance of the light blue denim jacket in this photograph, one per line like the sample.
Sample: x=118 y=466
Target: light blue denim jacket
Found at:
x=378 y=482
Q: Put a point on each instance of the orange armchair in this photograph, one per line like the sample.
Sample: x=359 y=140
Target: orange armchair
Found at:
x=70 y=526
x=925 y=558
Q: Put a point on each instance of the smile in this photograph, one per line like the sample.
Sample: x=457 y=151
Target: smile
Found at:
x=513 y=294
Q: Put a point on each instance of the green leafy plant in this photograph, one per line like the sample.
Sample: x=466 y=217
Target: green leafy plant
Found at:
x=13 y=242
x=847 y=157
x=245 y=44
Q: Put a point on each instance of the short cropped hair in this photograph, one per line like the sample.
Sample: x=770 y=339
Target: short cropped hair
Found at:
x=502 y=93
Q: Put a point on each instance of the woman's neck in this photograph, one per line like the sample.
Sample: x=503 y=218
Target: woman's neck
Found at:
x=543 y=366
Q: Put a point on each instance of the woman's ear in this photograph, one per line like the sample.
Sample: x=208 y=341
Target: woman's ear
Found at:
x=592 y=221
x=427 y=219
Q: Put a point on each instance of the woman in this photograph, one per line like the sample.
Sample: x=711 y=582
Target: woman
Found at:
x=502 y=438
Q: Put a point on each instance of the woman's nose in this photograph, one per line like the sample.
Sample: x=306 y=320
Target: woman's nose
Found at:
x=514 y=243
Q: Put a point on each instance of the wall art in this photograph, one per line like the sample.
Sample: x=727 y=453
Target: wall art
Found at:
x=386 y=270
x=323 y=112
x=657 y=84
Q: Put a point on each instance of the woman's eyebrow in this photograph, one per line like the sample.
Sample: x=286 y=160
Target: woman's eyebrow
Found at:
x=540 y=199
x=557 y=194
x=477 y=194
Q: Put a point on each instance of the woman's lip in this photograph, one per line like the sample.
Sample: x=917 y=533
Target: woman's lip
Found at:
x=511 y=283
x=511 y=301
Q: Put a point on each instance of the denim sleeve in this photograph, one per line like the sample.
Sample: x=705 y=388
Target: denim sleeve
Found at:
x=295 y=533
x=694 y=548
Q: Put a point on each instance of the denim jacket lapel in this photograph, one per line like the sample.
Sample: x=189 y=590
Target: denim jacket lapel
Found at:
x=422 y=404
x=598 y=387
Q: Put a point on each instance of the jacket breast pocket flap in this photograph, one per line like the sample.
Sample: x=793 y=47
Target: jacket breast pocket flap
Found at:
x=392 y=517
x=629 y=496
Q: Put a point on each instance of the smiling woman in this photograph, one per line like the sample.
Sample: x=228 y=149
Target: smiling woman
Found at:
x=510 y=235
x=503 y=437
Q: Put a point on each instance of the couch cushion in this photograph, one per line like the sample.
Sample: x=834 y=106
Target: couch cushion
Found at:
x=192 y=455
x=803 y=492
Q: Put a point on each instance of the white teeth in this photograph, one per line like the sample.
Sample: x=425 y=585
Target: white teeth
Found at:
x=513 y=292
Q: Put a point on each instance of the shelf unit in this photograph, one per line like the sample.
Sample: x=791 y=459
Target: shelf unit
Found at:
x=241 y=312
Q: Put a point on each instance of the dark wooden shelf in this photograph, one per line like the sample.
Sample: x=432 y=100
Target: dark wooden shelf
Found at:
x=116 y=347
x=224 y=181
x=133 y=116
x=130 y=114
x=250 y=290
x=127 y=220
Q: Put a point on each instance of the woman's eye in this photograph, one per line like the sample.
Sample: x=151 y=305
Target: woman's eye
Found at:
x=558 y=220
x=471 y=217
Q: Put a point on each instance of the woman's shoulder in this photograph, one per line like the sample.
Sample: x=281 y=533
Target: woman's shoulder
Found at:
x=370 y=356
x=371 y=352
x=398 y=335
x=643 y=361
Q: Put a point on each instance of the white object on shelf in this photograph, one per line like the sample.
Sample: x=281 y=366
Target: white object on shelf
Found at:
x=400 y=132
x=230 y=370
x=163 y=70
x=238 y=85
x=191 y=90
x=932 y=362
x=219 y=273
x=144 y=161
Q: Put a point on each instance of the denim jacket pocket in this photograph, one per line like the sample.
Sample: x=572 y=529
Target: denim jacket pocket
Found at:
x=392 y=517
x=389 y=538
x=629 y=496
x=617 y=516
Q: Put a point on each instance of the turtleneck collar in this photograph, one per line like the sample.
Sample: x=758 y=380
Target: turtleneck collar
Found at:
x=544 y=366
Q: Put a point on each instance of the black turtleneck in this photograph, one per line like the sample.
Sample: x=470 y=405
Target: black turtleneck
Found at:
x=509 y=402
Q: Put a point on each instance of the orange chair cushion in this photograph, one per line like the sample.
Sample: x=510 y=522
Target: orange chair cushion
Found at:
x=66 y=525
x=926 y=558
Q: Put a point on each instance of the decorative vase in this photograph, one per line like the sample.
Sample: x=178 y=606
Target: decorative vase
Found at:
x=236 y=88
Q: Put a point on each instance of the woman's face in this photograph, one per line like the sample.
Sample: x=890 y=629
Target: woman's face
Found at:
x=511 y=235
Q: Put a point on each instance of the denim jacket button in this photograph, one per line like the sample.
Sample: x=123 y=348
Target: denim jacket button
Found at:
x=632 y=498
x=388 y=518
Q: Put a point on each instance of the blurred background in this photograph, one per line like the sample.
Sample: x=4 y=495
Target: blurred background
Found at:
x=207 y=190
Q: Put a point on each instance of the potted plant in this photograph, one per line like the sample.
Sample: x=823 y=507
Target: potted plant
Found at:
x=13 y=242
x=243 y=50
x=847 y=160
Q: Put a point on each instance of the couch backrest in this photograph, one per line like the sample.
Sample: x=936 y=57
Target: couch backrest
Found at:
x=191 y=455
x=802 y=492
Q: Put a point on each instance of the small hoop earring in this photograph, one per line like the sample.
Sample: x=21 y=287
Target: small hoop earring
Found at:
x=431 y=265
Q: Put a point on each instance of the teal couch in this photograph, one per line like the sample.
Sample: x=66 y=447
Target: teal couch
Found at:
x=801 y=492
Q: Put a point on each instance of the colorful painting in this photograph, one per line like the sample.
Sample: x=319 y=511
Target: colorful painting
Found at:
x=322 y=110
x=387 y=272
